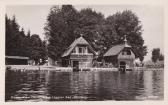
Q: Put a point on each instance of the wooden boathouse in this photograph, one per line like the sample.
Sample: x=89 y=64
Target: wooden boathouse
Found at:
x=121 y=56
x=16 y=60
x=79 y=54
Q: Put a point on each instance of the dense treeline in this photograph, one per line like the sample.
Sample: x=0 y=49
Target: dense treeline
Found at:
x=65 y=23
x=157 y=55
x=20 y=44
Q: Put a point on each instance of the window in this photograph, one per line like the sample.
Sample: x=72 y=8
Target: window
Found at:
x=122 y=52
x=126 y=52
x=81 y=50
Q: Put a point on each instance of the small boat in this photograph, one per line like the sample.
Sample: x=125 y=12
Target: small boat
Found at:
x=122 y=69
x=85 y=69
x=129 y=69
x=126 y=68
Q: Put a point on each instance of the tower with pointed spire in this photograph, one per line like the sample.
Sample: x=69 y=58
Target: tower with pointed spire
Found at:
x=81 y=35
x=125 y=38
x=125 y=41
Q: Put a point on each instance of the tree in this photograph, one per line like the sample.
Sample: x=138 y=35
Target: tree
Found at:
x=22 y=40
x=37 y=48
x=89 y=24
x=59 y=29
x=65 y=23
x=8 y=35
x=16 y=41
x=155 y=54
x=161 y=57
x=27 y=44
x=19 y=44
x=12 y=36
x=127 y=23
x=28 y=34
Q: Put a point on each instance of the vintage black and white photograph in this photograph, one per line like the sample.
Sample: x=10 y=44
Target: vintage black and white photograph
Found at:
x=84 y=53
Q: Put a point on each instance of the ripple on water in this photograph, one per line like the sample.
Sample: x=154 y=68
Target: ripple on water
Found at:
x=90 y=85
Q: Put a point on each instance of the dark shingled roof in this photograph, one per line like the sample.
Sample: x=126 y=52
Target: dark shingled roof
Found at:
x=79 y=41
x=114 y=50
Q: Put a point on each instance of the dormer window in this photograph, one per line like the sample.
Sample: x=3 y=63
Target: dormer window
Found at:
x=126 y=52
x=81 y=50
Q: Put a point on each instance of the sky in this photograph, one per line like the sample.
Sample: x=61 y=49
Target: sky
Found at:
x=33 y=18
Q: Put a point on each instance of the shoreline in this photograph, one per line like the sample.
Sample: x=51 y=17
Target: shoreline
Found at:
x=55 y=68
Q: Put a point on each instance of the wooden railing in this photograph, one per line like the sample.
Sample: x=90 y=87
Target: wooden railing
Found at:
x=81 y=56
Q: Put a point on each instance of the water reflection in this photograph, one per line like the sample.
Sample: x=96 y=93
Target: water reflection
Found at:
x=91 y=85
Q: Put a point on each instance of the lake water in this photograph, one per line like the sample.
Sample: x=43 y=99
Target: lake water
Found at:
x=84 y=85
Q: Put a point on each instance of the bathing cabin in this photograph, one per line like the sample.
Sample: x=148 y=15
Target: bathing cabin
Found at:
x=121 y=56
x=79 y=54
x=16 y=60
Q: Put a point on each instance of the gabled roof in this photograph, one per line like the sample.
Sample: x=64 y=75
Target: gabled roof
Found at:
x=117 y=49
x=114 y=50
x=79 y=41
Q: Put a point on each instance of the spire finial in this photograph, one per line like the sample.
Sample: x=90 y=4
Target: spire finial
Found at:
x=125 y=39
x=81 y=35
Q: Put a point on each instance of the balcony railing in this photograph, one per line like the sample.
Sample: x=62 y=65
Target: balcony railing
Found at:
x=126 y=57
x=81 y=56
